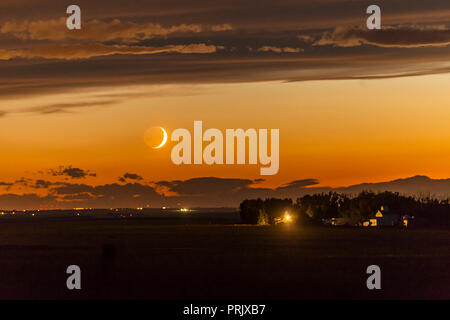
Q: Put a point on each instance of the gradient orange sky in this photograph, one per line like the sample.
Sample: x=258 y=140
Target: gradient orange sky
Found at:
x=340 y=132
x=352 y=105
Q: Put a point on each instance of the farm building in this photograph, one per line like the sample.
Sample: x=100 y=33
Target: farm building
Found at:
x=383 y=218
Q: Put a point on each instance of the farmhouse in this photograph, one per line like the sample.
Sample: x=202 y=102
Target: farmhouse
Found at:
x=383 y=218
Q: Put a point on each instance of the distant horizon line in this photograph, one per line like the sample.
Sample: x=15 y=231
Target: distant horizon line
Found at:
x=204 y=193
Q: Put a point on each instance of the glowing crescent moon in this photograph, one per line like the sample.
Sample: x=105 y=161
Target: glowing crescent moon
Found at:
x=164 y=139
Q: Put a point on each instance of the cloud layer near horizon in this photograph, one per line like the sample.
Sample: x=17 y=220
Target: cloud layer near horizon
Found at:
x=133 y=192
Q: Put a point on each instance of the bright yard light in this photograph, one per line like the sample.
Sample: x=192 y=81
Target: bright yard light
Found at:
x=287 y=218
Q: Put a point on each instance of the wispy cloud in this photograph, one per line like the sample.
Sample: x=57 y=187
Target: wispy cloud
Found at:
x=388 y=37
x=130 y=176
x=280 y=50
x=217 y=42
x=71 y=172
x=100 y=30
x=104 y=99
x=84 y=51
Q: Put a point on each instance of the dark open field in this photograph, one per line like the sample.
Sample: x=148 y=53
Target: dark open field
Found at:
x=150 y=258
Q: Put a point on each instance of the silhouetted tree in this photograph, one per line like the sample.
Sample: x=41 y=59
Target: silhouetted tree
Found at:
x=250 y=210
x=264 y=212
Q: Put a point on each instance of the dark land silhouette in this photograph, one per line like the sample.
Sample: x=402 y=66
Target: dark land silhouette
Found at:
x=316 y=208
x=134 y=254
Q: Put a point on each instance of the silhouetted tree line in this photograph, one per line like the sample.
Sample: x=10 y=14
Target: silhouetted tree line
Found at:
x=312 y=209
x=264 y=211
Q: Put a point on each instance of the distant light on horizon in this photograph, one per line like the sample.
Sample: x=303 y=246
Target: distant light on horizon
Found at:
x=287 y=217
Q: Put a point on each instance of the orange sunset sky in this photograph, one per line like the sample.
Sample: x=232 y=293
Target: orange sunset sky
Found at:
x=352 y=106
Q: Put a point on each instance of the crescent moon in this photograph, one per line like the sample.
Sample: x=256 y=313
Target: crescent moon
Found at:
x=164 y=139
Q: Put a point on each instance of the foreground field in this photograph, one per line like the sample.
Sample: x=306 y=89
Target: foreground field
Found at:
x=175 y=259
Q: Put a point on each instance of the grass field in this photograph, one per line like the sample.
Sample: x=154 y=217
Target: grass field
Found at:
x=150 y=258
